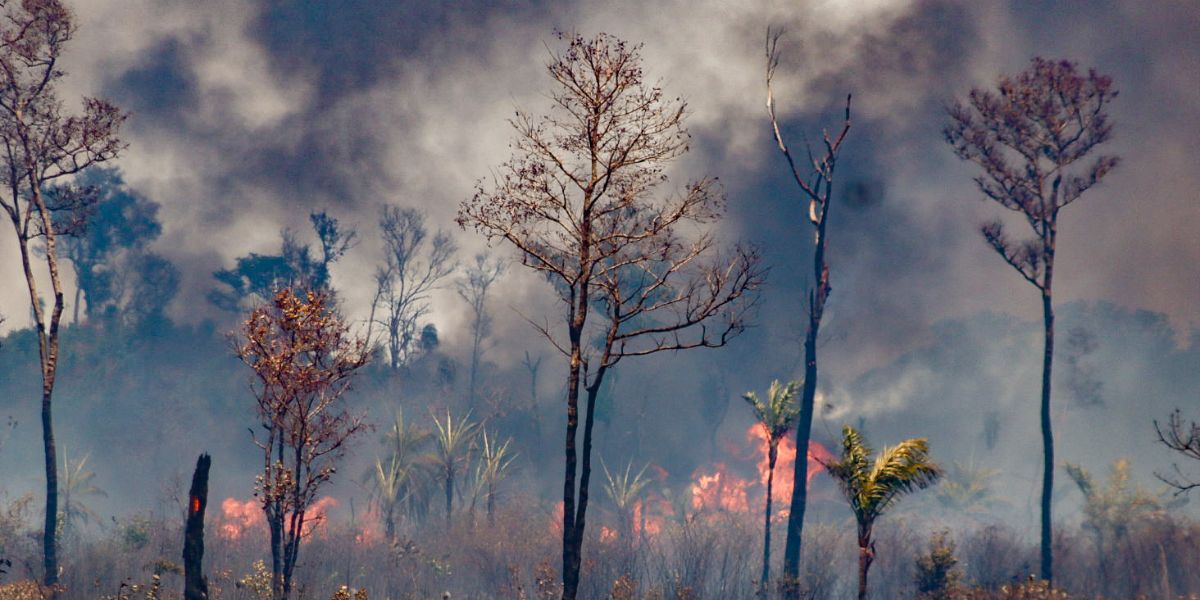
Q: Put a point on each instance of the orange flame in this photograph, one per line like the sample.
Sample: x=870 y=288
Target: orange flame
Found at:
x=240 y=518
x=719 y=488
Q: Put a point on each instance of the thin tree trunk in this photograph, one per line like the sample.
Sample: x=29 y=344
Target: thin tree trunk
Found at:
x=866 y=555
x=449 y=495
x=195 y=585
x=816 y=309
x=571 y=559
x=491 y=503
x=49 y=535
x=585 y=474
x=1047 y=436
x=772 y=454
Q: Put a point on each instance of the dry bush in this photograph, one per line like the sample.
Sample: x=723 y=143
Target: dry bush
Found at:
x=993 y=556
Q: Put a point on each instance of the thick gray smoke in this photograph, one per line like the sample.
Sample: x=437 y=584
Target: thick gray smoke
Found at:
x=247 y=115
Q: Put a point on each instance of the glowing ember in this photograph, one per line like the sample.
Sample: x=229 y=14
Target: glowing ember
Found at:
x=607 y=534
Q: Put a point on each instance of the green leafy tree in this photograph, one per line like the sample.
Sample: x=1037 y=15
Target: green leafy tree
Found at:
x=938 y=574
x=872 y=486
x=255 y=278
x=777 y=415
x=1027 y=138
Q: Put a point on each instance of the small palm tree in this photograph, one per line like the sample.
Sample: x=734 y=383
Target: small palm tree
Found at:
x=401 y=478
x=967 y=488
x=776 y=415
x=871 y=486
x=624 y=489
x=77 y=483
x=495 y=459
x=454 y=440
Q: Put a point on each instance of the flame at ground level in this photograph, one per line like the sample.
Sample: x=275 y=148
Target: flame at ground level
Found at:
x=719 y=488
x=240 y=518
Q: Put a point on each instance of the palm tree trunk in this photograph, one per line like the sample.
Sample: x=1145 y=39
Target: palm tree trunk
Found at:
x=866 y=555
x=449 y=495
x=772 y=454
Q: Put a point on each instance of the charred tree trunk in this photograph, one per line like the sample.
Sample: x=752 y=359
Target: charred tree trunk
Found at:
x=50 y=533
x=1047 y=430
x=816 y=309
x=195 y=584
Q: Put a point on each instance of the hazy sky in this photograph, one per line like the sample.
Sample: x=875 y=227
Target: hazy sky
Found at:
x=247 y=115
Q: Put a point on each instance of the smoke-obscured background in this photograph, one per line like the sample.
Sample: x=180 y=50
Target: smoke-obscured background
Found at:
x=248 y=116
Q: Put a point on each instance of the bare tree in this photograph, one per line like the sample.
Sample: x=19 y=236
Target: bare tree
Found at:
x=303 y=357
x=1184 y=439
x=1026 y=137
x=815 y=182
x=43 y=144
x=473 y=289
x=636 y=275
x=413 y=266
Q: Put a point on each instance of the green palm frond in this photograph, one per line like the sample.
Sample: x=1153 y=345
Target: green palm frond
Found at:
x=871 y=486
x=405 y=472
x=967 y=487
x=454 y=438
x=78 y=483
x=624 y=488
x=495 y=459
x=779 y=412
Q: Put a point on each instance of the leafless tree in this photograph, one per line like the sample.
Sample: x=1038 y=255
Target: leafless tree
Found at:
x=303 y=358
x=42 y=144
x=1026 y=137
x=636 y=275
x=814 y=179
x=1184 y=439
x=473 y=289
x=414 y=265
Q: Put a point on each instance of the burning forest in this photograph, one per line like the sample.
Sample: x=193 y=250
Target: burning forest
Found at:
x=586 y=300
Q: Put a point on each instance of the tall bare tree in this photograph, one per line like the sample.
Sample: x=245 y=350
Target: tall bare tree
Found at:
x=42 y=144
x=636 y=274
x=473 y=289
x=815 y=182
x=1027 y=137
x=303 y=357
x=414 y=264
